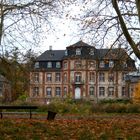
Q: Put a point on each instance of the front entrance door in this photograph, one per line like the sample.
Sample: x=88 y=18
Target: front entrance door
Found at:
x=77 y=93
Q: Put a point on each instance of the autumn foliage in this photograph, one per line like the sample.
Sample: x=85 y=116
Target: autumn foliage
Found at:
x=136 y=98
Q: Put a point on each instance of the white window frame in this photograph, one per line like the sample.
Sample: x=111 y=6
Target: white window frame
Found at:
x=35 y=91
x=57 y=77
x=101 y=91
x=91 y=91
x=111 y=63
x=102 y=64
x=101 y=77
x=78 y=51
x=48 y=91
x=58 y=91
x=110 y=91
x=49 y=64
x=58 y=65
x=49 y=77
x=36 y=77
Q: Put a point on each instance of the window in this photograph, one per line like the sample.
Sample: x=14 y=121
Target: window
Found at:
x=101 y=77
x=124 y=64
x=49 y=77
x=36 y=65
x=111 y=77
x=101 y=91
x=36 y=77
x=78 y=51
x=48 y=91
x=91 y=77
x=35 y=91
x=123 y=76
x=65 y=77
x=110 y=91
x=123 y=91
x=65 y=65
x=49 y=65
x=92 y=64
x=58 y=91
x=111 y=63
x=78 y=64
x=91 y=51
x=102 y=64
x=58 y=65
x=57 y=77
x=66 y=52
x=91 y=91
x=65 y=91
x=78 y=77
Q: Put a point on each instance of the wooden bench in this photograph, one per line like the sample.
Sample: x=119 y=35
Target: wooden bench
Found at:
x=30 y=108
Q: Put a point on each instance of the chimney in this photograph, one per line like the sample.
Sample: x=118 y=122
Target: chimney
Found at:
x=50 y=48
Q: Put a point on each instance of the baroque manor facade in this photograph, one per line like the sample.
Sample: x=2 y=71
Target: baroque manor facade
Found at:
x=80 y=72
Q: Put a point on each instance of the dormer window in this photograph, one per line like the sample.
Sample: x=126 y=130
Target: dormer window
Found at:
x=102 y=64
x=58 y=64
x=91 y=51
x=111 y=64
x=78 y=51
x=49 y=65
x=36 y=65
x=66 y=52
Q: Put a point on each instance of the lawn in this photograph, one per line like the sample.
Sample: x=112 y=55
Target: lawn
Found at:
x=122 y=127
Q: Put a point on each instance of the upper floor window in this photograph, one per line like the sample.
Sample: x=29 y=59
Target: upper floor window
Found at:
x=36 y=65
x=91 y=91
x=36 y=77
x=101 y=91
x=49 y=65
x=48 y=91
x=57 y=91
x=123 y=76
x=78 y=77
x=102 y=64
x=65 y=77
x=110 y=91
x=78 y=64
x=35 y=91
x=58 y=65
x=78 y=51
x=111 y=77
x=91 y=64
x=101 y=77
x=65 y=64
x=91 y=51
x=57 y=77
x=49 y=77
x=91 y=77
x=111 y=63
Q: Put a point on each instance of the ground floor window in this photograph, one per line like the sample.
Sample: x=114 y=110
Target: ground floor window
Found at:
x=91 y=91
x=48 y=91
x=58 y=91
x=110 y=91
x=101 y=91
x=35 y=91
x=123 y=91
x=65 y=91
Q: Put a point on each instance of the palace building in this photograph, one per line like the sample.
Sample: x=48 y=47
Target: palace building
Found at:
x=80 y=72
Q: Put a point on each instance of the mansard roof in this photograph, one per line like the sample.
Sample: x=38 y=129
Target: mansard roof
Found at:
x=51 y=55
x=58 y=55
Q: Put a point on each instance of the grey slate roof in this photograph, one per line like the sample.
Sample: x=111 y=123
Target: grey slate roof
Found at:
x=133 y=77
x=80 y=44
x=53 y=55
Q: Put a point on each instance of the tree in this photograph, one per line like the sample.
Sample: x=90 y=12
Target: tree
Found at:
x=114 y=22
x=136 y=94
x=23 y=22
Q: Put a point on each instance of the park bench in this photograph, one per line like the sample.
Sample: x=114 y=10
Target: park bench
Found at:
x=30 y=108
